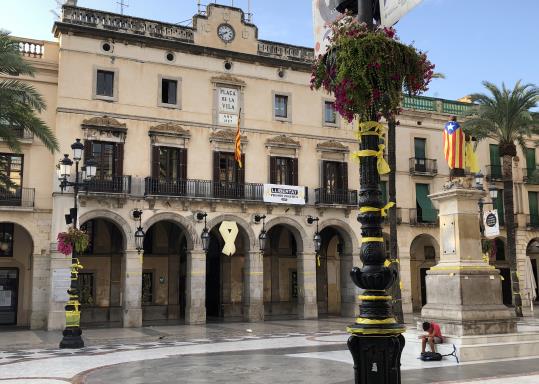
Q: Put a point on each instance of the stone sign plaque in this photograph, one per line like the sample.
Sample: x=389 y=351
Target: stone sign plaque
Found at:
x=61 y=281
x=447 y=235
x=228 y=106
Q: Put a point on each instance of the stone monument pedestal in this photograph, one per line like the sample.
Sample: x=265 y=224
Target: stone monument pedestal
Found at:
x=464 y=293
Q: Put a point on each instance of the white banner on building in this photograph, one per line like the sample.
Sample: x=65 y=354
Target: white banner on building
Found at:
x=284 y=194
x=392 y=11
x=61 y=281
x=491 y=223
x=324 y=14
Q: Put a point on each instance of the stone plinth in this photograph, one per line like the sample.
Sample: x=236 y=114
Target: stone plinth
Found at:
x=464 y=293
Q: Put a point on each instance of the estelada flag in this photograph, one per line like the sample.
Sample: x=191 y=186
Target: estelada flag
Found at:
x=454 y=145
x=237 y=150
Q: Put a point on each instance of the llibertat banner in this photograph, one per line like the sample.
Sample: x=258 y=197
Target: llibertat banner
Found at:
x=392 y=11
x=284 y=194
x=324 y=14
x=491 y=223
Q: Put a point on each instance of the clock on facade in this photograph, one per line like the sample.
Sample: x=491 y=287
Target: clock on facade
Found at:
x=226 y=33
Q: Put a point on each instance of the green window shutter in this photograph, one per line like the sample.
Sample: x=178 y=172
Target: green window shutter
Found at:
x=499 y=207
x=530 y=158
x=383 y=188
x=419 y=148
x=428 y=213
x=532 y=198
x=495 y=154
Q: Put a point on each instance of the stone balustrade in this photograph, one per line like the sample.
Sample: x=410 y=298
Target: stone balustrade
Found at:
x=32 y=48
x=285 y=51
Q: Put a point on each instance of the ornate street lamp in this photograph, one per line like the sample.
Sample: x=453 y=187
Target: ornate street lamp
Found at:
x=72 y=334
x=479 y=180
x=205 y=236
x=139 y=234
x=317 y=239
x=263 y=235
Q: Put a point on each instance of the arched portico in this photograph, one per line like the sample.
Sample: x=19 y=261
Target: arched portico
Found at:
x=424 y=254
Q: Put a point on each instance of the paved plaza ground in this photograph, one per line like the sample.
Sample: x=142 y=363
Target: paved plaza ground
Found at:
x=286 y=351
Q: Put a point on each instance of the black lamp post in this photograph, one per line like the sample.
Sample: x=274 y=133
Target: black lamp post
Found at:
x=205 y=236
x=139 y=233
x=72 y=333
x=317 y=239
x=263 y=237
x=376 y=340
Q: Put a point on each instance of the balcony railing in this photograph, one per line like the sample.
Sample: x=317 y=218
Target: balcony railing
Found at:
x=494 y=172
x=335 y=196
x=112 y=184
x=531 y=175
x=421 y=103
x=19 y=197
x=424 y=217
x=399 y=217
x=425 y=167
x=532 y=221
x=204 y=189
x=32 y=48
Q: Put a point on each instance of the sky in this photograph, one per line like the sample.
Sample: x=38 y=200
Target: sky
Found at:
x=469 y=41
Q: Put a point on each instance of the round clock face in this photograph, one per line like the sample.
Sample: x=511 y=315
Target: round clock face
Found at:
x=226 y=33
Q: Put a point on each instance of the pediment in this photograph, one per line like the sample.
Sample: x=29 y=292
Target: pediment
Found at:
x=169 y=129
x=104 y=122
x=332 y=146
x=226 y=136
x=282 y=141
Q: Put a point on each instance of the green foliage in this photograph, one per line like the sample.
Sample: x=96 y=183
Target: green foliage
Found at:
x=19 y=101
x=504 y=115
x=367 y=71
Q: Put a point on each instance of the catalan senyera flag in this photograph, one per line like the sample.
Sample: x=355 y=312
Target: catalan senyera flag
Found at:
x=237 y=150
x=454 y=145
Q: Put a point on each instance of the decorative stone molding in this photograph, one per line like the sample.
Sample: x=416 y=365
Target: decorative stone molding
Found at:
x=228 y=80
x=169 y=134
x=104 y=128
x=332 y=146
x=226 y=136
x=282 y=141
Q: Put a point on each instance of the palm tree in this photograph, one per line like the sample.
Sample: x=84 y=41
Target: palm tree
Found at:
x=504 y=116
x=19 y=101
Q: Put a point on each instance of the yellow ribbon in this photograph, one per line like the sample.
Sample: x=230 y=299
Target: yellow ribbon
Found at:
x=470 y=158
x=381 y=163
x=372 y=239
x=370 y=128
x=383 y=210
x=318 y=260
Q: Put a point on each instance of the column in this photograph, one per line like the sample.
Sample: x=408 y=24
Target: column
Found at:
x=406 y=279
x=40 y=290
x=525 y=291
x=132 y=289
x=60 y=278
x=195 y=310
x=349 y=291
x=307 y=308
x=253 y=287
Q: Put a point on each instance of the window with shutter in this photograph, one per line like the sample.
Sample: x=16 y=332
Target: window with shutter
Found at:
x=273 y=170
x=500 y=208
x=295 y=170
x=494 y=154
x=425 y=211
x=533 y=204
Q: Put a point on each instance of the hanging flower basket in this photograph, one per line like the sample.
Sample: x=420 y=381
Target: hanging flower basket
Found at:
x=72 y=239
x=368 y=71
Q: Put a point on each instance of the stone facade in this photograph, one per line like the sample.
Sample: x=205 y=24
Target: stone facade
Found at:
x=145 y=93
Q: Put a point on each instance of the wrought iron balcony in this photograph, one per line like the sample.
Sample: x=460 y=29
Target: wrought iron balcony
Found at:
x=494 y=172
x=112 y=184
x=423 y=217
x=531 y=175
x=335 y=196
x=399 y=217
x=18 y=197
x=532 y=221
x=204 y=189
x=423 y=167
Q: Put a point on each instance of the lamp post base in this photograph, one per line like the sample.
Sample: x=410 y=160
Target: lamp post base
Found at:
x=72 y=338
x=376 y=358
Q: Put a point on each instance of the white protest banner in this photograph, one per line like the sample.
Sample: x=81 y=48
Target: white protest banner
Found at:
x=392 y=11
x=491 y=223
x=284 y=194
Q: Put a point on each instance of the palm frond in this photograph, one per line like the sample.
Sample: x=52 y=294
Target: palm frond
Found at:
x=22 y=92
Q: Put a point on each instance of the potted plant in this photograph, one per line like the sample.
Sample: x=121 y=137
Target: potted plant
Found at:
x=73 y=239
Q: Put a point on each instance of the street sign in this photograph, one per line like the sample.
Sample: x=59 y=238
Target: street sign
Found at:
x=324 y=13
x=491 y=223
x=391 y=11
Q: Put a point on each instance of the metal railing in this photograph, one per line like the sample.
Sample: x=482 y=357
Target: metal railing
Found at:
x=399 y=217
x=531 y=175
x=422 y=103
x=494 y=172
x=532 y=221
x=18 y=197
x=203 y=189
x=426 y=167
x=112 y=184
x=335 y=196
x=20 y=133
x=424 y=217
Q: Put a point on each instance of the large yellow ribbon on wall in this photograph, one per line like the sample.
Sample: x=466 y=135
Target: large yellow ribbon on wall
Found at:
x=381 y=163
x=383 y=210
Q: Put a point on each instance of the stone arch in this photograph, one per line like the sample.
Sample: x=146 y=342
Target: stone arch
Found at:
x=36 y=248
x=425 y=236
x=300 y=235
x=241 y=223
x=183 y=222
x=419 y=265
x=125 y=229
x=351 y=242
